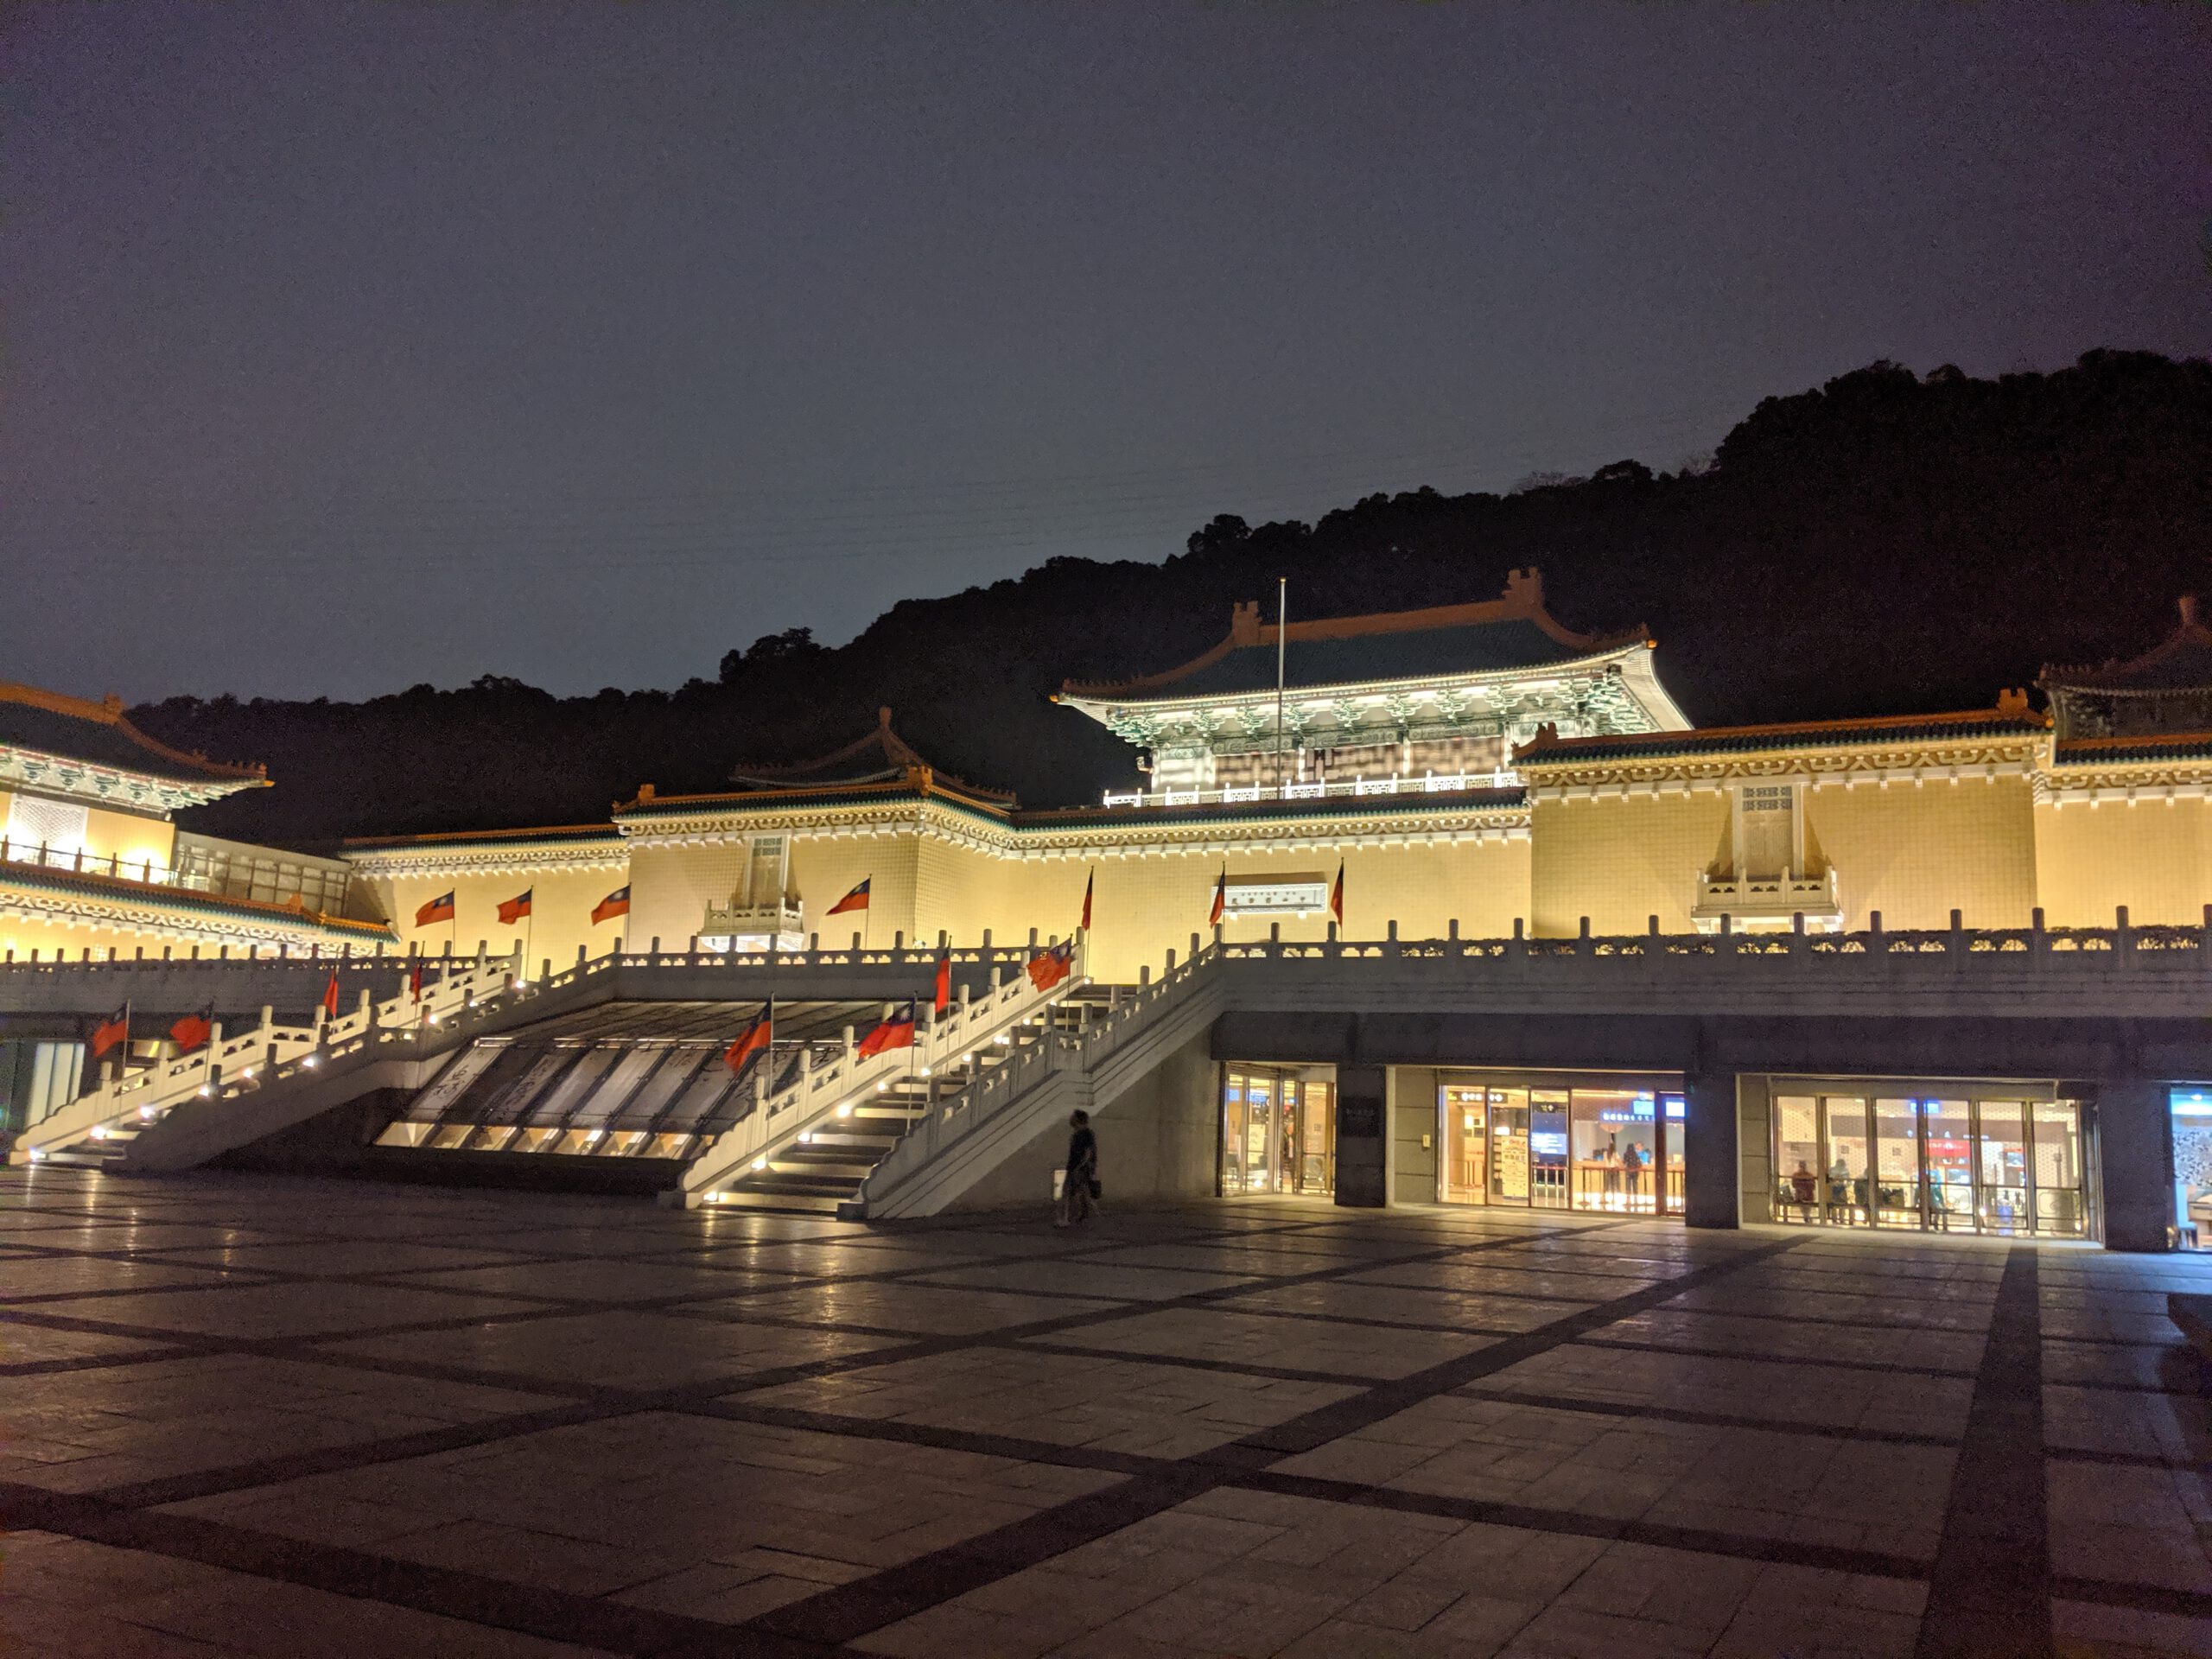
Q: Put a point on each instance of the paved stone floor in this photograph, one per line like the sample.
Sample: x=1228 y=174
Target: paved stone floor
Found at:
x=259 y=1416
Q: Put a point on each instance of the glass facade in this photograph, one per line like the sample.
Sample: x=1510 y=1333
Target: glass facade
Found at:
x=2190 y=1108
x=1278 y=1130
x=1938 y=1158
x=1605 y=1146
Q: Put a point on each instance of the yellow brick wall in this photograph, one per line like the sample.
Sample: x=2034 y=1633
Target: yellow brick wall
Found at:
x=671 y=887
x=1620 y=860
x=2154 y=856
x=1915 y=852
x=560 y=918
x=21 y=937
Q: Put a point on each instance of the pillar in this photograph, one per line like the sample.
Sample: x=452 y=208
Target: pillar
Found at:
x=1362 y=1135
x=1711 y=1183
x=2135 y=1159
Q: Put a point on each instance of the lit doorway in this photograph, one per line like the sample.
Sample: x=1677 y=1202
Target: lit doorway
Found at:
x=1603 y=1144
x=1278 y=1130
x=1930 y=1157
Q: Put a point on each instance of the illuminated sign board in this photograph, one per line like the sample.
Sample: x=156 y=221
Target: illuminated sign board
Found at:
x=1292 y=895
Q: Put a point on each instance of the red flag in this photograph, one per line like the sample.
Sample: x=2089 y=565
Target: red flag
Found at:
x=616 y=903
x=1220 y=900
x=856 y=900
x=943 y=997
x=115 y=1028
x=897 y=1031
x=1087 y=882
x=440 y=909
x=753 y=1040
x=330 y=996
x=414 y=980
x=1048 y=967
x=514 y=909
x=1337 y=895
x=193 y=1030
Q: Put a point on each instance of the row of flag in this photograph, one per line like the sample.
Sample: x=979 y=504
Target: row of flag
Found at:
x=617 y=903
x=896 y=1030
x=194 y=1029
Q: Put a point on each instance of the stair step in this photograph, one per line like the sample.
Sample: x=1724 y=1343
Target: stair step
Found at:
x=771 y=1180
x=775 y=1203
x=845 y=1169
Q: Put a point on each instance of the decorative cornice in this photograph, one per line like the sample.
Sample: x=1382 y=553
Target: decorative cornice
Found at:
x=1870 y=764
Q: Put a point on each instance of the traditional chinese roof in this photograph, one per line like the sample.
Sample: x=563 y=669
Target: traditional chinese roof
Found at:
x=217 y=909
x=1496 y=636
x=2126 y=751
x=2011 y=718
x=2182 y=662
x=881 y=756
x=556 y=834
x=97 y=734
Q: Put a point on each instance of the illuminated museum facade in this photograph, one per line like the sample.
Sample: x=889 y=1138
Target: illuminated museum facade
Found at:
x=1470 y=771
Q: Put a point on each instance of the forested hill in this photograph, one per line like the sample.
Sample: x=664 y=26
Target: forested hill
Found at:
x=1886 y=543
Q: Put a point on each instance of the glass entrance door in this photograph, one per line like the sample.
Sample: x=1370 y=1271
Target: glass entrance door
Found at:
x=1278 y=1131
x=1509 y=1145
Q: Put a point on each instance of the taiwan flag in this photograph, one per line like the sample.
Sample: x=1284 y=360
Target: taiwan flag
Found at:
x=1048 y=967
x=414 y=980
x=753 y=1040
x=942 y=995
x=514 y=909
x=330 y=996
x=115 y=1029
x=193 y=1030
x=897 y=1031
x=1088 y=881
x=616 y=903
x=1220 y=900
x=856 y=900
x=1337 y=895
x=440 y=909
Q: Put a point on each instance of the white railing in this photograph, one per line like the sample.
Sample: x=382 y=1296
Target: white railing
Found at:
x=1434 y=782
x=230 y=1063
x=2160 y=969
x=825 y=1096
x=1769 y=898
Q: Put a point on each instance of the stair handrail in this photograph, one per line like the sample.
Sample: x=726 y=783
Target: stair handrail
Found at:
x=821 y=1095
x=1135 y=1011
x=231 y=1062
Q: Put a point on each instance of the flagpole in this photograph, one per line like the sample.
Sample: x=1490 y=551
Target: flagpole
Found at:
x=1282 y=619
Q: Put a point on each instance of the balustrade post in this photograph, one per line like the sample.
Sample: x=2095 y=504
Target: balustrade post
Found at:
x=1144 y=969
x=849 y=1046
x=2039 y=941
x=1519 y=947
x=2123 y=937
x=1956 y=944
x=694 y=952
x=1169 y=971
x=856 y=945
x=1582 y=937
x=1274 y=932
x=899 y=940
x=1196 y=943
x=653 y=950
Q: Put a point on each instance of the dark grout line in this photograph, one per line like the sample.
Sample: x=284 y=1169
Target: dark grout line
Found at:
x=474 y=1599
x=1990 y=1589
x=1708 y=1419
x=2141 y=1598
x=1883 y=1367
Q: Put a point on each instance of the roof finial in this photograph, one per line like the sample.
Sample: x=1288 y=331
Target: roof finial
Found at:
x=2189 y=610
x=883 y=717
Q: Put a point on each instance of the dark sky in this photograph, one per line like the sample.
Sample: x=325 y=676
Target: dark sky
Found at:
x=348 y=346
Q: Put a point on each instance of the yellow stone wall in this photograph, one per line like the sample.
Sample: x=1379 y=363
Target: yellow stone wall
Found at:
x=1916 y=852
x=1620 y=860
x=2154 y=856
x=108 y=834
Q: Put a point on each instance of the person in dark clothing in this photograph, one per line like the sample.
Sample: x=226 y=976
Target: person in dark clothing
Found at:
x=1079 y=1188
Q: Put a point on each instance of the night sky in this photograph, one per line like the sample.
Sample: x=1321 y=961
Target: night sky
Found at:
x=348 y=346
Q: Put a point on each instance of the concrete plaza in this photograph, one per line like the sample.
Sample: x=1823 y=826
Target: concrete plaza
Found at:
x=245 y=1414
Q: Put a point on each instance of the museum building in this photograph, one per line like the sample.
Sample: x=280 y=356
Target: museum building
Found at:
x=1469 y=773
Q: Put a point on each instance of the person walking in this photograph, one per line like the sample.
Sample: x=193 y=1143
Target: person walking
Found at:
x=1079 y=1188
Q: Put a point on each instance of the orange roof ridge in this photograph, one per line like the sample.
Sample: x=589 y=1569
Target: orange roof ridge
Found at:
x=108 y=711
x=2012 y=707
x=522 y=833
x=1522 y=599
x=895 y=750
